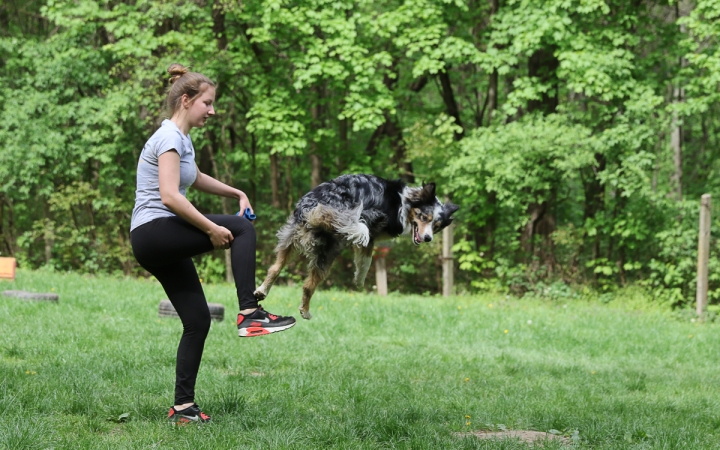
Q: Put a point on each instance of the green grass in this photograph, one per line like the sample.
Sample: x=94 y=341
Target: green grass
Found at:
x=366 y=372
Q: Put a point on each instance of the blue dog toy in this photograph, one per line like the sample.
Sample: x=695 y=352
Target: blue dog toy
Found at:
x=247 y=214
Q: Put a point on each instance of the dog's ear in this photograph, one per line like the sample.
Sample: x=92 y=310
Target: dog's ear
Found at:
x=444 y=218
x=449 y=209
x=428 y=191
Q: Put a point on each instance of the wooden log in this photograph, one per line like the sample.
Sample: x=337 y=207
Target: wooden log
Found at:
x=166 y=309
x=703 y=255
x=37 y=296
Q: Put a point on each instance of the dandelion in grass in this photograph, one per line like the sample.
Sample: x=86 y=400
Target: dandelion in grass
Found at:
x=690 y=336
x=52 y=289
x=466 y=416
x=593 y=372
x=490 y=305
x=506 y=331
x=467 y=424
x=467 y=379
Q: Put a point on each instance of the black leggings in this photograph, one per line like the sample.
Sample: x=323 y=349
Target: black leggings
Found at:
x=164 y=248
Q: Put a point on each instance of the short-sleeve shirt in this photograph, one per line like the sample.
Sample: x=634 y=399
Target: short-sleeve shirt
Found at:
x=148 y=204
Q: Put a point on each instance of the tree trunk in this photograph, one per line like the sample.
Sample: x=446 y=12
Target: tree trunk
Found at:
x=253 y=166
x=676 y=135
x=595 y=199
x=543 y=65
x=289 y=182
x=676 y=138
x=343 y=144
x=218 y=16
x=535 y=211
x=48 y=234
x=397 y=141
x=7 y=231
x=315 y=159
x=451 y=106
x=275 y=181
x=492 y=95
x=392 y=129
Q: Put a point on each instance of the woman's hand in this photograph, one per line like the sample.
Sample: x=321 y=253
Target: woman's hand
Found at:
x=220 y=237
x=244 y=204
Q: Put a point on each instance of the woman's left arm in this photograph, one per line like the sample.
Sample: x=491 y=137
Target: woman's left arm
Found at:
x=206 y=183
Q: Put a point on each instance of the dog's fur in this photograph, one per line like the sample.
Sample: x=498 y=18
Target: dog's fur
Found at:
x=354 y=210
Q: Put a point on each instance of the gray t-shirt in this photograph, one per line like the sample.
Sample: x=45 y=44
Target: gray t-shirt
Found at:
x=148 y=205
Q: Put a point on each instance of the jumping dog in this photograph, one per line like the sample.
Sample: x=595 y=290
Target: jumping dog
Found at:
x=354 y=210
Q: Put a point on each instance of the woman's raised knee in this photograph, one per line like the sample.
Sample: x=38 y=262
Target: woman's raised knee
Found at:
x=243 y=227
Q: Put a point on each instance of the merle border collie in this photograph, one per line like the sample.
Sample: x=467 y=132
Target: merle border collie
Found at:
x=354 y=210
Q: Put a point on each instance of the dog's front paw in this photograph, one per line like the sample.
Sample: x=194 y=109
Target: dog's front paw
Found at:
x=365 y=239
x=359 y=283
x=260 y=293
x=305 y=314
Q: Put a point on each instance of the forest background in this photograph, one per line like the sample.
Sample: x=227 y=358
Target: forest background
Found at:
x=577 y=136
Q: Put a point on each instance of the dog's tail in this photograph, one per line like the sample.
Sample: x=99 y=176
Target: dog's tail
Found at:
x=345 y=222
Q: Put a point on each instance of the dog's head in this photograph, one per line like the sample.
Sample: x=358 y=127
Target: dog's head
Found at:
x=427 y=215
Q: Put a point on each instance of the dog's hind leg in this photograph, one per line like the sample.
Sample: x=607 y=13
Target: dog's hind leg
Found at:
x=311 y=282
x=363 y=258
x=283 y=255
x=319 y=263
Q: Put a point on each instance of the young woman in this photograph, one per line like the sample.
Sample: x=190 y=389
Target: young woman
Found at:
x=167 y=230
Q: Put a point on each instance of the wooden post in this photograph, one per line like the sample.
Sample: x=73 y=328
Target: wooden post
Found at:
x=381 y=275
x=703 y=255
x=447 y=260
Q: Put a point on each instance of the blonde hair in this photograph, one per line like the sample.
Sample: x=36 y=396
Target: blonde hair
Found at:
x=182 y=82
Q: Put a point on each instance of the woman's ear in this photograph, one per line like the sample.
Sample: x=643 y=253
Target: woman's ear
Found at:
x=185 y=101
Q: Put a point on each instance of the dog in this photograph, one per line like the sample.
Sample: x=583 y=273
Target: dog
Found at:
x=354 y=210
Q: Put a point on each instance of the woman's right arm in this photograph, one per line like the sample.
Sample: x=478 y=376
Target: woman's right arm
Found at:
x=169 y=178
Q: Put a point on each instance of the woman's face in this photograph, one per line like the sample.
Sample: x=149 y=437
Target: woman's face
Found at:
x=201 y=108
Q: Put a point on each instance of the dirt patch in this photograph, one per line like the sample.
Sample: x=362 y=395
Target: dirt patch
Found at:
x=527 y=436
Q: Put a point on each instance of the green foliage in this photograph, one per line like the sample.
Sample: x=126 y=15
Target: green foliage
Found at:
x=550 y=123
x=673 y=270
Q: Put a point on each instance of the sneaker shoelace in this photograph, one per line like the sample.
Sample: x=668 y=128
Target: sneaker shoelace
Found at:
x=271 y=315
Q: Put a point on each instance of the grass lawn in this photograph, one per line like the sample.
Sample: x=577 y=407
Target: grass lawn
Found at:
x=366 y=372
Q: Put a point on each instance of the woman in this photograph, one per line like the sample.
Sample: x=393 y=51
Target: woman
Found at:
x=167 y=230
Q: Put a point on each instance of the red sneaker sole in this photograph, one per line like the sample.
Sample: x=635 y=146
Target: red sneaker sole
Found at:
x=260 y=331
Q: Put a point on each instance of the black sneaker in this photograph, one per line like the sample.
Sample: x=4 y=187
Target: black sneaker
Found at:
x=261 y=322
x=187 y=415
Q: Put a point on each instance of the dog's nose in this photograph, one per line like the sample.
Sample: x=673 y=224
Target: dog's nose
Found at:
x=428 y=238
